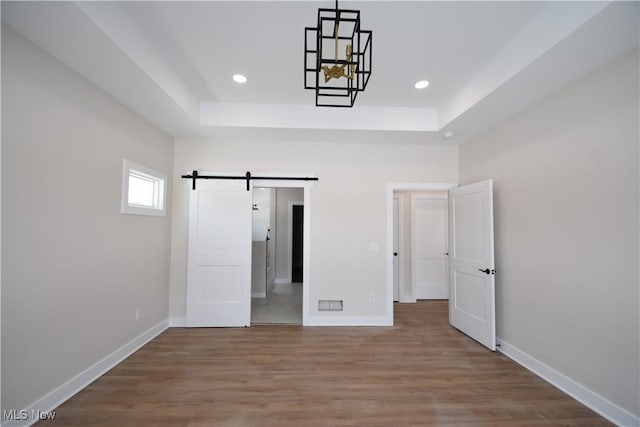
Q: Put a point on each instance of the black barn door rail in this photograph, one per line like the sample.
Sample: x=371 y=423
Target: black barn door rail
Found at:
x=248 y=177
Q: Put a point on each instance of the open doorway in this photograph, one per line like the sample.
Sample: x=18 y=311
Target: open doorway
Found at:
x=402 y=199
x=420 y=245
x=277 y=291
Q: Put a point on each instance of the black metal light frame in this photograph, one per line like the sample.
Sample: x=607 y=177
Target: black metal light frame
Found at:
x=323 y=47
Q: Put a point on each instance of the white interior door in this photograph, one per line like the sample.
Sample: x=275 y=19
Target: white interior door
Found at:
x=472 y=299
x=219 y=260
x=396 y=258
x=429 y=246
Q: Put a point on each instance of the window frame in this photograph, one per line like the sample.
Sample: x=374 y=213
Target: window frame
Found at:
x=159 y=208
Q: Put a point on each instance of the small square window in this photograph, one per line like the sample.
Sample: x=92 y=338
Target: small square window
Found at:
x=143 y=190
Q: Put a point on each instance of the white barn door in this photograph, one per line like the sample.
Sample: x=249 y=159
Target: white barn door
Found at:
x=472 y=293
x=219 y=260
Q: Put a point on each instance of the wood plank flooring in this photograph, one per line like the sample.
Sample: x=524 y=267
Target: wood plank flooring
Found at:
x=420 y=372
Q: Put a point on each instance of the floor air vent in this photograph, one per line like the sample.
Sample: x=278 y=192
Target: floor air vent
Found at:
x=329 y=305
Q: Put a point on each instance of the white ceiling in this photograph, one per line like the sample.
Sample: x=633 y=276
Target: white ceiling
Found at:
x=172 y=62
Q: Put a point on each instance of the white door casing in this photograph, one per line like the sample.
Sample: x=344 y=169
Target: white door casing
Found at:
x=429 y=246
x=219 y=258
x=472 y=281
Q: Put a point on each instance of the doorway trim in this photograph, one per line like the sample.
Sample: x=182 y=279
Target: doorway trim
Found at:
x=391 y=187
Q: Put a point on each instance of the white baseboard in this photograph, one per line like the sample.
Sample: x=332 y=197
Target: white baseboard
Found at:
x=56 y=397
x=258 y=294
x=177 y=322
x=338 y=320
x=582 y=394
x=281 y=281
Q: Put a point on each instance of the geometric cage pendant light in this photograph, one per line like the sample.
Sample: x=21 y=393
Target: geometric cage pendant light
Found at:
x=337 y=57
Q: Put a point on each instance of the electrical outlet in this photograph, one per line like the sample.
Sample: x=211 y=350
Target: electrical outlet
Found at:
x=372 y=298
x=138 y=313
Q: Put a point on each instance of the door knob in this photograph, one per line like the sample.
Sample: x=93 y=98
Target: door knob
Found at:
x=485 y=271
x=395 y=254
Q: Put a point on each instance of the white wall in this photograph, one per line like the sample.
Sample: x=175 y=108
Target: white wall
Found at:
x=264 y=219
x=566 y=225
x=74 y=268
x=348 y=208
x=1 y=406
x=273 y=215
x=258 y=269
x=262 y=216
x=283 y=238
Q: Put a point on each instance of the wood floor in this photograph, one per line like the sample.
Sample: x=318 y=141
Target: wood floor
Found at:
x=420 y=372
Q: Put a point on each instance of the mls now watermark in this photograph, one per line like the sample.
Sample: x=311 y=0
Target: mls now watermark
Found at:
x=23 y=415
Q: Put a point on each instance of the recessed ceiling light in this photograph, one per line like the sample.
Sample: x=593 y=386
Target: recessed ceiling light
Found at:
x=421 y=84
x=239 y=78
